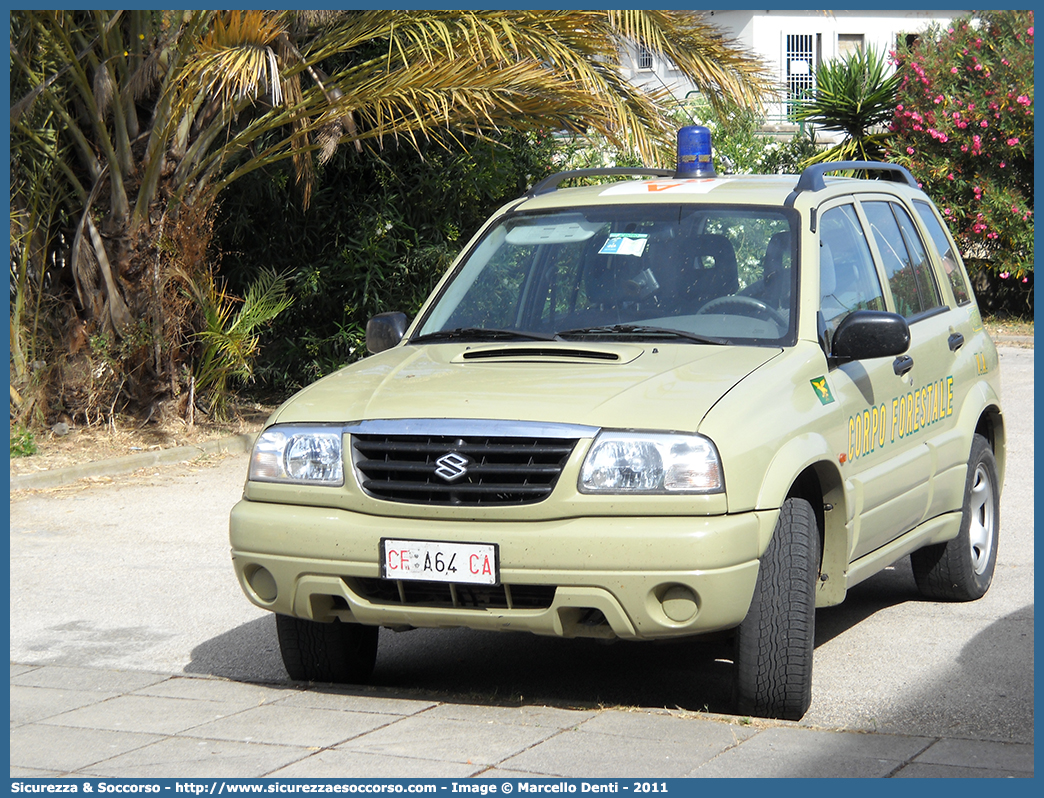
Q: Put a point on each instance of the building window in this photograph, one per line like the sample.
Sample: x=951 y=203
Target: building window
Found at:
x=801 y=69
x=645 y=58
x=850 y=43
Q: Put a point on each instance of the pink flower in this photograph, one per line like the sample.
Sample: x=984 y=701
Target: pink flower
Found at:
x=1029 y=30
x=984 y=123
x=909 y=150
x=949 y=176
x=1013 y=141
x=953 y=70
x=1022 y=99
x=938 y=99
x=1005 y=275
x=1002 y=164
x=1025 y=279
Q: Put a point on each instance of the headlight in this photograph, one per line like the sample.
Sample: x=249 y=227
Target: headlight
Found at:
x=637 y=462
x=290 y=453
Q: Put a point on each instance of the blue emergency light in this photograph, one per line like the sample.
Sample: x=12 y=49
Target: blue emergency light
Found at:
x=694 y=152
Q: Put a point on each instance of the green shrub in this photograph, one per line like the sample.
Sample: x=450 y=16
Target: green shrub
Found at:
x=964 y=128
x=23 y=444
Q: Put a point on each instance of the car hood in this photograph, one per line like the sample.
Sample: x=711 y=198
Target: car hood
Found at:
x=668 y=386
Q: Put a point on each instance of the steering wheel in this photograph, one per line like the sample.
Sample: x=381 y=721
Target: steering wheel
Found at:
x=747 y=306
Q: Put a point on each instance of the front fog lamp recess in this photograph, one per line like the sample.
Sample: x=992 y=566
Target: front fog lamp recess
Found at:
x=651 y=463
x=296 y=454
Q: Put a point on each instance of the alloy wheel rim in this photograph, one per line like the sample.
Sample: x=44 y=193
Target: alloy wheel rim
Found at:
x=981 y=530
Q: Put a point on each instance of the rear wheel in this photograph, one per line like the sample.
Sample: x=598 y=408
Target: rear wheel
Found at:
x=327 y=652
x=774 y=644
x=962 y=569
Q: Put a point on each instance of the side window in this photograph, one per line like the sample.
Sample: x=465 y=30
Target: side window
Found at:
x=905 y=261
x=847 y=278
x=951 y=262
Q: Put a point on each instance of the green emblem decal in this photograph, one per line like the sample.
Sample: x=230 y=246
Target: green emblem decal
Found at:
x=819 y=384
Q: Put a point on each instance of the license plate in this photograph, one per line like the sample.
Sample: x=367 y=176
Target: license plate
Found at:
x=439 y=561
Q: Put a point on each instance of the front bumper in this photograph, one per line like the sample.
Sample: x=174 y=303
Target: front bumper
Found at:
x=626 y=577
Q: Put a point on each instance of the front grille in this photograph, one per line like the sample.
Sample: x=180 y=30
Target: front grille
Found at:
x=439 y=594
x=459 y=470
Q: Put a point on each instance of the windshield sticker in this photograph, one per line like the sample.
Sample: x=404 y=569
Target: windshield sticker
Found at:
x=819 y=384
x=624 y=244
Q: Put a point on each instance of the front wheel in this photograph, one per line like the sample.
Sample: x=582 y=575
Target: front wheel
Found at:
x=327 y=652
x=774 y=644
x=962 y=569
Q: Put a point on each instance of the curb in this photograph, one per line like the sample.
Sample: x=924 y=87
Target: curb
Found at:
x=132 y=462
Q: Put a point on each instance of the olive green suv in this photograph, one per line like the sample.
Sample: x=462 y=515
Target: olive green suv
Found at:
x=671 y=406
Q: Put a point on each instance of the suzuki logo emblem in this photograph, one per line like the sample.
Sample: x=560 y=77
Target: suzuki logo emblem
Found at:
x=452 y=466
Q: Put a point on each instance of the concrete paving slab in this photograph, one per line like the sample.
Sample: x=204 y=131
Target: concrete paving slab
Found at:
x=919 y=771
x=663 y=726
x=18 y=669
x=33 y=773
x=146 y=714
x=339 y=764
x=333 y=698
x=806 y=753
x=65 y=749
x=501 y=773
x=985 y=754
x=281 y=725
x=578 y=754
x=449 y=740
x=183 y=757
x=30 y=704
x=241 y=694
x=74 y=678
x=546 y=717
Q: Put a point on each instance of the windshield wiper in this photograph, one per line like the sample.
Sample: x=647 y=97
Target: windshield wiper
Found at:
x=640 y=331
x=479 y=334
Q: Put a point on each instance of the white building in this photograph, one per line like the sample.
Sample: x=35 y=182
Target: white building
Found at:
x=792 y=43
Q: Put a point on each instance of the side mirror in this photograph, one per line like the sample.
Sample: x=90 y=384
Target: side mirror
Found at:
x=866 y=334
x=385 y=330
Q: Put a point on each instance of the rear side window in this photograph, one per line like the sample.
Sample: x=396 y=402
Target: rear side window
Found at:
x=950 y=261
x=904 y=258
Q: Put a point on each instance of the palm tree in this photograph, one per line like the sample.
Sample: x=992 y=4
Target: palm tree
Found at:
x=143 y=115
x=856 y=96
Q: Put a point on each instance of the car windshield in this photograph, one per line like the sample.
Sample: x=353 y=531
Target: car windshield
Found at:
x=677 y=273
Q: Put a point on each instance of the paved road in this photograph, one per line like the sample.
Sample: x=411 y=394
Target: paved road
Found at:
x=135 y=575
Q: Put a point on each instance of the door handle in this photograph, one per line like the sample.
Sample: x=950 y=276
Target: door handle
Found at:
x=902 y=364
x=955 y=341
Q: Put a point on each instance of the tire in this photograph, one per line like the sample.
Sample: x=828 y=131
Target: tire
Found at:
x=775 y=642
x=327 y=652
x=962 y=569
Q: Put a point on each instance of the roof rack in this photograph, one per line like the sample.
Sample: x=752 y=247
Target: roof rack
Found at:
x=549 y=184
x=812 y=177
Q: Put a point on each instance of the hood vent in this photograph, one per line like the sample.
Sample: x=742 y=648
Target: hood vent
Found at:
x=541 y=352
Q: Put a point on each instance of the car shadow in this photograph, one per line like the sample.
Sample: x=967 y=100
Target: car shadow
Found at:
x=502 y=668
x=887 y=588
x=515 y=668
